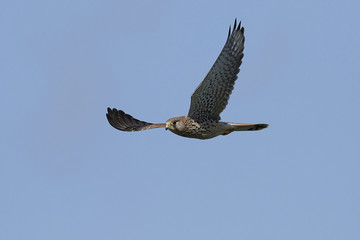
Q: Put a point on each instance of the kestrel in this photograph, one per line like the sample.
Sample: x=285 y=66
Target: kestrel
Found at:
x=207 y=102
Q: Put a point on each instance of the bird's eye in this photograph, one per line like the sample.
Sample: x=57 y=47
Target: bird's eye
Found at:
x=174 y=122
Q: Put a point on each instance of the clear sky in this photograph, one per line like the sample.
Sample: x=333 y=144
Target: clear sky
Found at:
x=65 y=173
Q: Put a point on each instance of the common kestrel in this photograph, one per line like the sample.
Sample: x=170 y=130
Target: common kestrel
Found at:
x=207 y=102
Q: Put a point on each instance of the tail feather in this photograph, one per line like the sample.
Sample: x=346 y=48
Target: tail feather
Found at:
x=248 y=127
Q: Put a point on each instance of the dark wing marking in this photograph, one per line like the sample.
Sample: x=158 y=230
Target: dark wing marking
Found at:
x=211 y=96
x=124 y=122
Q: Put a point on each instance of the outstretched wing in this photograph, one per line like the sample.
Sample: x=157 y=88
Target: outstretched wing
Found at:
x=124 y=122
x=211 y=96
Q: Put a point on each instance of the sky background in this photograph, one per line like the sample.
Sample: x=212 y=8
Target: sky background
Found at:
x=65 y=173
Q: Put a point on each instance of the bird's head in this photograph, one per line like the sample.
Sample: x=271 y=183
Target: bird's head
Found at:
x=175 y=124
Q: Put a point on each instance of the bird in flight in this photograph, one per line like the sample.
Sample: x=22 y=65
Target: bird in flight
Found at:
x=207 y=102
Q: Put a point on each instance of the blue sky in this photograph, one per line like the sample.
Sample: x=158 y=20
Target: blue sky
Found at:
x=65 y=173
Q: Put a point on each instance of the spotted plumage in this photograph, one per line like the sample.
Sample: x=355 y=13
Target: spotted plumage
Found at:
x=207 y=102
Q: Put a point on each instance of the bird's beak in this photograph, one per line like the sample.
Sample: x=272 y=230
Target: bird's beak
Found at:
x=167 y=126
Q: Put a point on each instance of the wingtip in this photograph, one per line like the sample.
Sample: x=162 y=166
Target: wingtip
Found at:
x=108 y=113
x=236 y=27
x=239 y=26
x=111 y=110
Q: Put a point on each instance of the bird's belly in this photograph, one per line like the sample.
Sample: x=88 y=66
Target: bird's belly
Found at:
x=203 y=132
